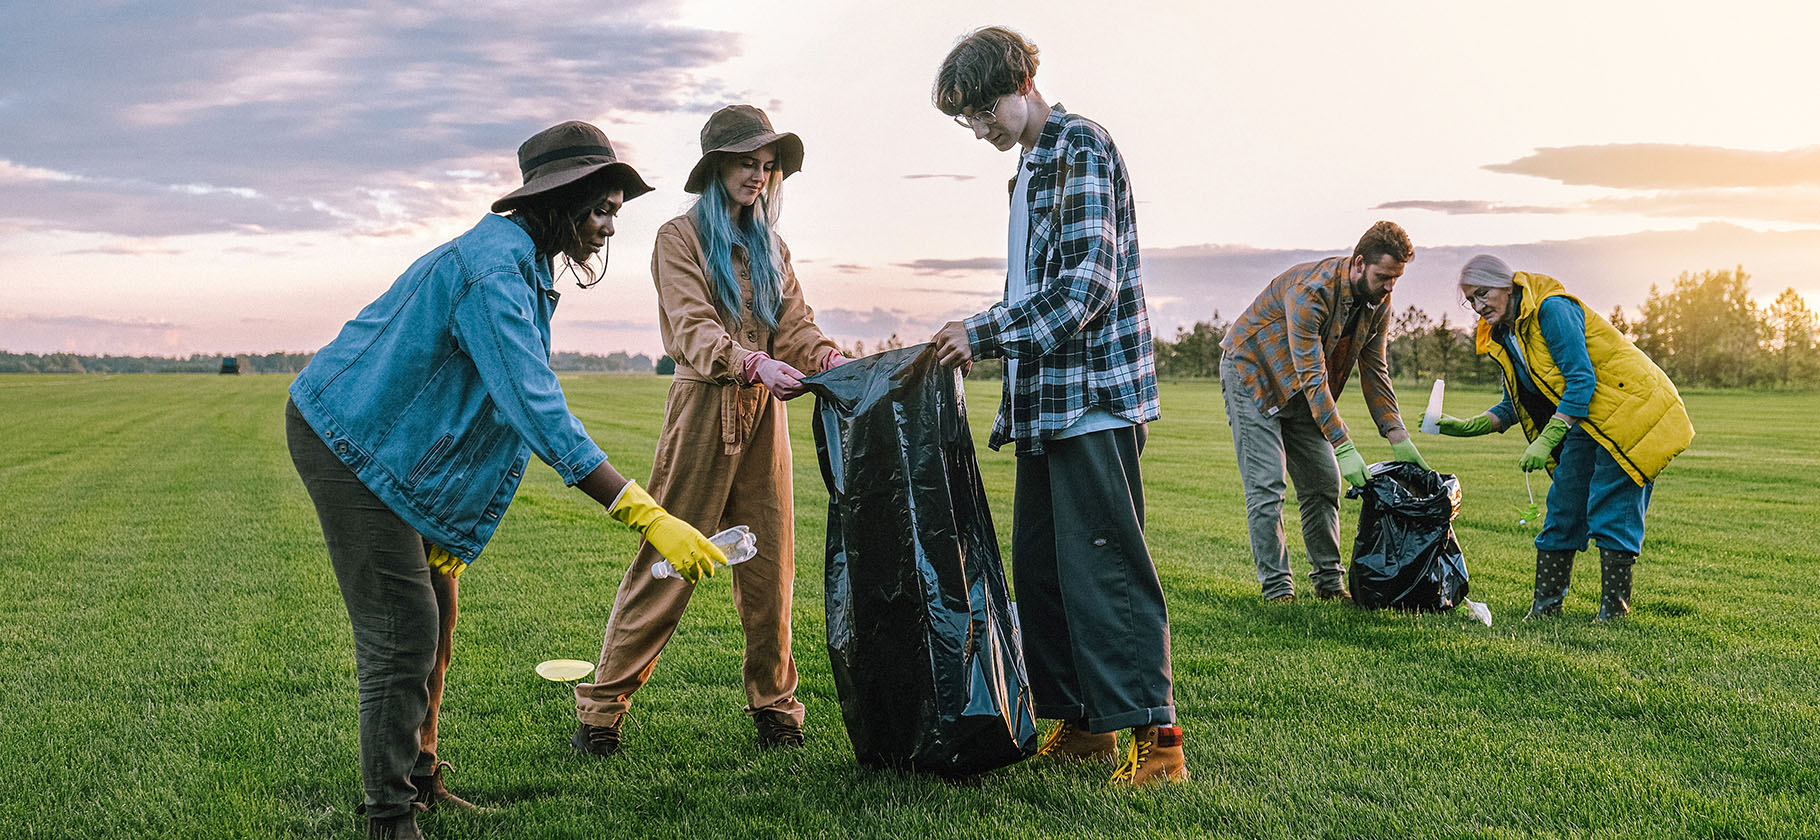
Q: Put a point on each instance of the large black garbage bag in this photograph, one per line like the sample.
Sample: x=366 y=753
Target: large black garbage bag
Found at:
x=920 y=629
x=1406 y=555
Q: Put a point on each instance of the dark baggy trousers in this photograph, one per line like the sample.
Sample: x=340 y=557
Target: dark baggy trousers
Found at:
x=402 y=614
x=1095 y=630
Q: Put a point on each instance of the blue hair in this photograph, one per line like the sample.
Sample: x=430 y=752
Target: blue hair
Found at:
x=720 y=224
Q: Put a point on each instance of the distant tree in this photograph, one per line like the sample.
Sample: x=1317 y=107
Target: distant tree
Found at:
x=1448 y=349
x=1792 y=335
x=666 y=366
x=1407 y=334
x=1705 y=330
x=1194 y=352
x=1622 y=323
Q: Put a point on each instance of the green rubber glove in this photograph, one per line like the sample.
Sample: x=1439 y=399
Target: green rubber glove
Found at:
x=1536 y=456
x=1352 y=466
x=1482 y=424
x=678 y=541
x=1406 y=451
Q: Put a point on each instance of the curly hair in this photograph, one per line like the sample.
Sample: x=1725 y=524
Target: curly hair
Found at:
x=554 y=221
x=986 y=64
x=1385 y=238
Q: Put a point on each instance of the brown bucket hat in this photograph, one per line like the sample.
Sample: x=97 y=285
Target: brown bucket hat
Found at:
x=741 y=128
x=563 y=154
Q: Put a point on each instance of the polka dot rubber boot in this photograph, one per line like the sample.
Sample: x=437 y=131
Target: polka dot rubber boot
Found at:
x=1553 y=570
x=1614 y=583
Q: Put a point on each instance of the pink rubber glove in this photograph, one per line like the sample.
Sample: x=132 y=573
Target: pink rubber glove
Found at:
x=783 y=380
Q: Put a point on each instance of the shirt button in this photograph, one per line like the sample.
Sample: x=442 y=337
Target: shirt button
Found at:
x=341 y=446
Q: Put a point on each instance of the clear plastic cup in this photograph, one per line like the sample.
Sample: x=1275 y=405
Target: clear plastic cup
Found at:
x=1431 y=418
x=737 y=542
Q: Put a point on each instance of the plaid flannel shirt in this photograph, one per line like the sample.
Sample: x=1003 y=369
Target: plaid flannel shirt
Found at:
x=1293 y=340
x=1083 y=339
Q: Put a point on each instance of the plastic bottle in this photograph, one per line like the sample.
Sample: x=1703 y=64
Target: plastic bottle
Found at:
x=1431 y=418
x=737 y=542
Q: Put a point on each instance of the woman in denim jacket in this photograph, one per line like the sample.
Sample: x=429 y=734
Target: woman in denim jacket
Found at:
x=412 y=429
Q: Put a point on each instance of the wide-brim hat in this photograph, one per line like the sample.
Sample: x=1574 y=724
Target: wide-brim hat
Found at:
x=563 y=154
x=737 y=129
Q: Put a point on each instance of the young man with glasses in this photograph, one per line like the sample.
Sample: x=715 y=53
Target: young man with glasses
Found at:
x=1080 y=385
x=1282 y=365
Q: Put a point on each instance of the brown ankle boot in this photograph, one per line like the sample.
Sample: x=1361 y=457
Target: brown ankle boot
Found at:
x=600 y=741
x=1069 y=740
x=1155 y=756
x=431 y=793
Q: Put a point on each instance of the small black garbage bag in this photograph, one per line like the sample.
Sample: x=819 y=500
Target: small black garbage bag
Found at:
x=920 y=629
x=1406 y=555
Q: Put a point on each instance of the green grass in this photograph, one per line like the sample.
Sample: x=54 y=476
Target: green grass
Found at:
x=175 y=660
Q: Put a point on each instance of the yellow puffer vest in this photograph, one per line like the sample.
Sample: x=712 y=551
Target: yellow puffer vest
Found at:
x=1635 y=413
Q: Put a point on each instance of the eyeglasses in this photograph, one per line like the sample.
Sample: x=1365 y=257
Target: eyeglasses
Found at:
x=978 y=120
x=1480 y=294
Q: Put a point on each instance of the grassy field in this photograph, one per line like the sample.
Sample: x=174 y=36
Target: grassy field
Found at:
x=175 y=661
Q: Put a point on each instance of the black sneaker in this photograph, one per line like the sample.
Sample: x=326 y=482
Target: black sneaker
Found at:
x=601 y=741
x=776 y=729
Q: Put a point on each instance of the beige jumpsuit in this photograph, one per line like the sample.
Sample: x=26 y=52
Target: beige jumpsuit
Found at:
x=723 y=460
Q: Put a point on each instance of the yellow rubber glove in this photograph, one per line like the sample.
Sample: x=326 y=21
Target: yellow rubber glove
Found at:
x=678 y=541
x=444 y=563
x=1539 y=451
x=1352 y=464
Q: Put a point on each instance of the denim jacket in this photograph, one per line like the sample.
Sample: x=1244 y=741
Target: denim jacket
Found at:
x=436 y=394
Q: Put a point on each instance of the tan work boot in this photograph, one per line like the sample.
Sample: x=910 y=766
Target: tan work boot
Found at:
x=1155 y=756
x=431 y=793
x=1069 y=740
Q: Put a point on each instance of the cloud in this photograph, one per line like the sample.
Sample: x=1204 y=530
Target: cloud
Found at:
x=1467 y=207
x=609 y=324
x=940 y=266
x=324 y=116
x=1798 y=205
x=1651 y=166
x=87 y=322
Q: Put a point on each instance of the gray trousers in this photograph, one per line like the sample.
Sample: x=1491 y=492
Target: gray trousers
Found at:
x=396 y=614
x=1267 y=447
x=1095 y=630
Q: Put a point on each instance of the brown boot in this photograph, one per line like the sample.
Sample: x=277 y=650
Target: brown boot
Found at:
x=599 y=741
x=1156 y=756
x=401 y=827
x=777 y=729
x=431 y=793
x=1069 y=740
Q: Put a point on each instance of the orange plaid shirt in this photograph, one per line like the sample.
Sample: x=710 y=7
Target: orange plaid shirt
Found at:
x=1294 y=340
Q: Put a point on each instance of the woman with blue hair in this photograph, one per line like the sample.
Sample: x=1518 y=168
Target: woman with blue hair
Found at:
x=1599 y=415
x=733 y=317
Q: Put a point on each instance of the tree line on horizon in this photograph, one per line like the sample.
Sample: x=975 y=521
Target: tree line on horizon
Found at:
x=1704 y=331
x=562 y=362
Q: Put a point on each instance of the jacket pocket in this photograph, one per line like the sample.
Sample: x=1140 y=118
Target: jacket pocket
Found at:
x=429 y=460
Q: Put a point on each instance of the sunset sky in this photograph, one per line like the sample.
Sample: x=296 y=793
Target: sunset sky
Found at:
x=242 y=177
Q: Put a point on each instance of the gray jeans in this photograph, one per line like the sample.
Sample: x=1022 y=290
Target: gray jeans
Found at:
x=392 y=603
x=1267 y=447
